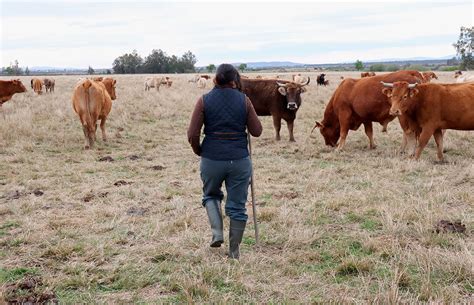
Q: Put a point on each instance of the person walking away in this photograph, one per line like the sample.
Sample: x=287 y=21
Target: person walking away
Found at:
x=226 y=113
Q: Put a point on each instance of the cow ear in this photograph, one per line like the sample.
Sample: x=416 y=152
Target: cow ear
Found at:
x=282 y=91
x=115 y=81
x=414 y=92
x=387 y=92
x=319 y=125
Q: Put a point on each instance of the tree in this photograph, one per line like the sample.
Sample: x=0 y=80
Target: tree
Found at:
x=464 y=47
x=359 y=65
x=27 y=71
x=128 y=63
x=211 y=68
x=242 y=67
x=90 y=70
x=108 y=71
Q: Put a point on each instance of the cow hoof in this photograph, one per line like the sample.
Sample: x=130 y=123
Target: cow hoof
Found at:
x=86 y=147
x=292 y=140
x=373 y=147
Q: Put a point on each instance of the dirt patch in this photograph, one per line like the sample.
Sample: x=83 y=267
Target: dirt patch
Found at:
x=157 y=167
x=29 y=290
x=445 y=226
x=137 y=211
x=38 y=192
x=286 y=195
x=122 y=182
x=106 y=159
x=133 y=157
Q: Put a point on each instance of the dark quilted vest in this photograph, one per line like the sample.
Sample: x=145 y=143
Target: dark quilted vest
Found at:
x=225 y=121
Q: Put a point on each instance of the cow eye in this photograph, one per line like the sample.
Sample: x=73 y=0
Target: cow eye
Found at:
x=405 y=97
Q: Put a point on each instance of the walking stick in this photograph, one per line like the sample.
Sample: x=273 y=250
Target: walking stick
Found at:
x=252 y=191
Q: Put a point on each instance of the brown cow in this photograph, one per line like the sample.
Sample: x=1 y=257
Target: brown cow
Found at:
x=92 y=101
x=366 y=74
x=428 y=76
x=430 y=108
x=37 y=85
x=7 y=89
x=360 y=101
x=49 y=84
x=205 y=76
x=166 y=81
x=279 y=98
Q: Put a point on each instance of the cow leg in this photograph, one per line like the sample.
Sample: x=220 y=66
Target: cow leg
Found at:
x=369 y=131
x=277 y=125
x=438 y=136
x=86 y=137
x=102 y=127
x=424 y=138
x=344 y=119
x=3 y=112
x=290 y=125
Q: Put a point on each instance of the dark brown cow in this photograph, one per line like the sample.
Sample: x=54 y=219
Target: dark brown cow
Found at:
x=321 y=81
x=8 y=88
x=205 y=76
x=360 y=101
x=430 y=108
x=48 y=84
x=279 y=98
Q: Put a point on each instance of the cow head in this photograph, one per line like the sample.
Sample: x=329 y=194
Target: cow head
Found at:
x=292 y=91
x=109 y=84
x=19 y=87
x=330 y=133
x=457 y=73
x=399 y=94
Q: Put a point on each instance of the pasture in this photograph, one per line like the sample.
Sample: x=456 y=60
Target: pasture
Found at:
x=355 y=226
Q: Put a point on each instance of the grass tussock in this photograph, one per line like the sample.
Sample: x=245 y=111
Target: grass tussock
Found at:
x=123 y=223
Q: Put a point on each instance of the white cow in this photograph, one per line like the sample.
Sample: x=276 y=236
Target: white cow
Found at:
x=300 y=79
x=201 y=83
x=465 y=78
x=194 y=79
x=154 y=82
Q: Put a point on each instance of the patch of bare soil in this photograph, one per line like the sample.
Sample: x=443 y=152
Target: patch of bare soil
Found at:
x=29 y=290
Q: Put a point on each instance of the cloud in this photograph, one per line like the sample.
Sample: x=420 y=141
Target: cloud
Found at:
x=79 y=34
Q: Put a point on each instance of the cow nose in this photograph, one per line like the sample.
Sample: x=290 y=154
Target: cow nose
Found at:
x=292 y=106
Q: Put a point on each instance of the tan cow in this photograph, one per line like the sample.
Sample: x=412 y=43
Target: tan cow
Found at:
x=428 y=76
x=37 y=86
x=201 y=83
x=153 y=82
x=92 y=101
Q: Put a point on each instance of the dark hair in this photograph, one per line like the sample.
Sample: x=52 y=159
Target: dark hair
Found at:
x=226 y=73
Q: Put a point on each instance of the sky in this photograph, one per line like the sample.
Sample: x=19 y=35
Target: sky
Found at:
x=82 y=33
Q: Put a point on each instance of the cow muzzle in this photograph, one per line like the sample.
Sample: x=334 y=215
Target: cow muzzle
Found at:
x=292 y=106
x=395 y=112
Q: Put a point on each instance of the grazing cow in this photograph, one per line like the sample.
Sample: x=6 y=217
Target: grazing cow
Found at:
x=38 y=86
x=321 y=81
x=280 y=99
x=366 y=74
x=201 y=83
x=465 y=78
x=205 y=76
x=428 y=76
x=8 y=88
x=92 y=101
x=153 y=82
x=31 y=81
x=430 y=108
x=49 y=84
x=193 y=79
x=166 y=81
x=360 y=101
x=457 y=73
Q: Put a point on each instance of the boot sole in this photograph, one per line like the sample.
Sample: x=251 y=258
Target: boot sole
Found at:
x=217 y=244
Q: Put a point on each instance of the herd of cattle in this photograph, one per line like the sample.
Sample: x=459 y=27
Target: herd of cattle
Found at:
x=423 y=108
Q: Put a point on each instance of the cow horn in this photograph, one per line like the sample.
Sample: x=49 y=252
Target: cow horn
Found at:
x=387 y=84
x=411 y=86
x=307 y=82
x=281 y=84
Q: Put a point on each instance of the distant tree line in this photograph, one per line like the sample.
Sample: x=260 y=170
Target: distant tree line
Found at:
x=14 y=70
x=156 y=62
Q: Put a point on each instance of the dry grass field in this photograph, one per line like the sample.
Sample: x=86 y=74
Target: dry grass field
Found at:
x=355 y=226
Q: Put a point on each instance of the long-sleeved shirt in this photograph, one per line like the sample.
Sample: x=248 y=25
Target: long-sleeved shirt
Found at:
x=254 y=126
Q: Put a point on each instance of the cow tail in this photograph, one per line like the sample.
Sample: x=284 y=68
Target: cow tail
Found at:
x=88 y=117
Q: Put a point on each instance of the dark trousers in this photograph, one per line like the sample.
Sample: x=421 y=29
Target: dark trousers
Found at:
x=236 y=175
